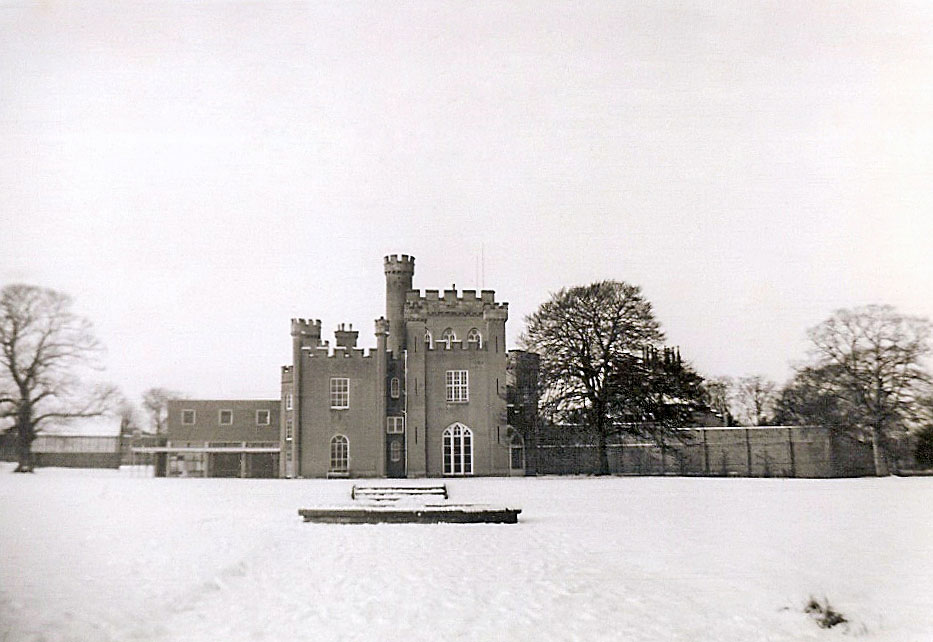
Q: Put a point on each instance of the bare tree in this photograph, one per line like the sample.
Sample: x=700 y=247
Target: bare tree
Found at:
x=45 y=348
x=754 y=399
x=871 y=359
x=586 y=336
x=155 y=402
x=720 y=392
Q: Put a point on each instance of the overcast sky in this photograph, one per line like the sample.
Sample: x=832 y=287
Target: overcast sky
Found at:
x=196 y=173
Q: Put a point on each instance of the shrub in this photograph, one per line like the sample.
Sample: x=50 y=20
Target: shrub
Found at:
x=923 y=451
x=823 y=614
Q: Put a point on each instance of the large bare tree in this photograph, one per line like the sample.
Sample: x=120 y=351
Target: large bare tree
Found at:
x=588 y=337
x=45 y=348
x=871 y=364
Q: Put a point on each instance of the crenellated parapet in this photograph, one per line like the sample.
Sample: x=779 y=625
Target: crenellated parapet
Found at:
x=306 y=327
x=339 y=352
x=468 y=303
x=499 y=311
x=399 y=264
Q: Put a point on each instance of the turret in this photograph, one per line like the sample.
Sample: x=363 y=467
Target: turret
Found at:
x=305 y=333
x=399 y=271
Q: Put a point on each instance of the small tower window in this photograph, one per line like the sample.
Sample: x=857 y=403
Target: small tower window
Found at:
x=427 y=337
x=394 y=388
x=475 y=337
x=448 y=336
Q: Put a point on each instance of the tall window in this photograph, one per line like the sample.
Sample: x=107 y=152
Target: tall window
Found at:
x=289 y=430
x=475 y=337
x=226 y=417
x=458 y=450
x=288 y=401
x=395 y=451
x=187 y=417
x=448 y=336
x=394 y=387
x=339 y=454
x=427 y=337
x=339 y=392
x=395 y=425
x=458 y=386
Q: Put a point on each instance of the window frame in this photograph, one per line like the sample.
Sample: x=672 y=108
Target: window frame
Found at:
x=475 y=336
x=337 y=457
x=268 y=421
x=457 y=451
x=288 y=401
x=457 y=386
x=289 y=430
x=448 y=336
x=395 y=425
x=395 y=388
x=194 y=416
x=337 y=396
x=220 y=417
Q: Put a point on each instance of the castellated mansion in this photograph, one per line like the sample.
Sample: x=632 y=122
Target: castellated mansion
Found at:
x=429 y=401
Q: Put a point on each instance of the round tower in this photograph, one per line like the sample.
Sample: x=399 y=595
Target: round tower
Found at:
x=399 y=272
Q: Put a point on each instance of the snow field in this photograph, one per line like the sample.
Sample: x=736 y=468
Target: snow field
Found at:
x=106 y=555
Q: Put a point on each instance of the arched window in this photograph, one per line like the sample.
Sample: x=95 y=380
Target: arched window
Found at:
x=428 y=338
x=458 y=450
x=339 y=454
x=475 y=337
x=394 y=388
x=517 y=452
x=448 y=336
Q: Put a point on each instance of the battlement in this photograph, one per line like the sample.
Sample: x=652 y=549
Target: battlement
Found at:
x=451 y=298
x=399 y=264
x=497 y=311
x=306 y=326
x=339 y=352
x=419 y=307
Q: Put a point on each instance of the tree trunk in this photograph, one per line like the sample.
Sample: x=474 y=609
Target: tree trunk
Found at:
x=24 y=437
x=602 y=450
x=23 y=455
x=877 y=451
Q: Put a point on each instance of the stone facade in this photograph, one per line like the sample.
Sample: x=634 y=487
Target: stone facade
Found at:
x=428 y=401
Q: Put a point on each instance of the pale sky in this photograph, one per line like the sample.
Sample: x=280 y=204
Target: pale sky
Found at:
x=196 y=173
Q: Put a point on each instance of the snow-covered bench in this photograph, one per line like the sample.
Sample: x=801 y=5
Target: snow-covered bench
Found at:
x=401 y=504
x=387 y=493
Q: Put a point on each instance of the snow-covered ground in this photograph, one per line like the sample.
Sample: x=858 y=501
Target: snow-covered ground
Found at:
x=107 y=555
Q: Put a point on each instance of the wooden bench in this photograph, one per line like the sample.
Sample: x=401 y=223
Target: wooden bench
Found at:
x=387 y=493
